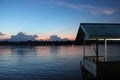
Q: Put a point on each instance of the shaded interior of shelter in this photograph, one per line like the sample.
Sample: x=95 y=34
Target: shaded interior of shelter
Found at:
x=101 y=65
x=89 y=32
x=98 y=30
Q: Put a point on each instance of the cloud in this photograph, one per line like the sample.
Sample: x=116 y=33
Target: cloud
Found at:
x=1 y=34
x=56 y=38
x=22 y=37
x=89 y=8
x=26 y=37
x=65 y=39
x=109 y=11
x=71 y=5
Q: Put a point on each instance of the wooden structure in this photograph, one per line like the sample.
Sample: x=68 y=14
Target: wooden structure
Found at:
x=98 y=66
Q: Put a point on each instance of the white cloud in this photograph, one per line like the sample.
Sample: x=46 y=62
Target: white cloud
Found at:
x=54 y=38
x=26 y=37
x=109 y=11
x=22 y=37
x=89 y=8
x=1 y=34
x=57 y=38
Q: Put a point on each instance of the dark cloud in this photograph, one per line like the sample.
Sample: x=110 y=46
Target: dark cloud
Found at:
x=57 y=38
x=1 y=34
x=54 y=38
x=23 y=37
x=65 y=39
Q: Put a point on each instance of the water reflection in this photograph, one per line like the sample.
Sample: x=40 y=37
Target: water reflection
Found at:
x=38 y=63
x=54 y=49
x=4 y=50
x=112 y=52
x=44 y=62
x=43 y=51
x=22 y=50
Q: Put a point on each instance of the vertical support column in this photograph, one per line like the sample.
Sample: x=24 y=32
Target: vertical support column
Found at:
x=84 y=51
x=97 y=58
x=105 y=49
x=97 y=51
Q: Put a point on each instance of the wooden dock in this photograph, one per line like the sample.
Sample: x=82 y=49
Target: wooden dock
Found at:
x=98 y=67
x=101 y=70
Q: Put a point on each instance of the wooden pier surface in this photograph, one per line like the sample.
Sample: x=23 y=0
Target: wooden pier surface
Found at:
x=101 y=70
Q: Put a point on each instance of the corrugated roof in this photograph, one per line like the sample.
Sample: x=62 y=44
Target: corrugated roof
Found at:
x=101 y=30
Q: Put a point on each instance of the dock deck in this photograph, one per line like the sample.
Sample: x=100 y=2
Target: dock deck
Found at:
x=102 y=70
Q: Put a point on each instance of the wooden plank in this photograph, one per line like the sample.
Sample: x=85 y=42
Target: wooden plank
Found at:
x=108 y=70
x=90 y=66
x=102 y=70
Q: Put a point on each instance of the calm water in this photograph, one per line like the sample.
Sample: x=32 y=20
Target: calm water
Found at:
x=44 y=62
x=40 y=63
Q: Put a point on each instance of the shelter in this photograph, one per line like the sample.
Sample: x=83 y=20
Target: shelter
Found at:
x=97 y=65
x=98 y=30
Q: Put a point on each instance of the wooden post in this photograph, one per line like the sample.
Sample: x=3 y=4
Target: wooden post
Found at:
x=84 y=51
x=105 y=49
x=83 y=68
x=97 y=51
x=97 y=58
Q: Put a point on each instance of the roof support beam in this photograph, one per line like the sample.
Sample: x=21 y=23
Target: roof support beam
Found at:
x=105 y=49
x=97 y=50
x=84 y=51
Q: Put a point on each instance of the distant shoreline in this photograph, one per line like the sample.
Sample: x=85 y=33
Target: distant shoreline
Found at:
x=51 y=43
x=37 y=43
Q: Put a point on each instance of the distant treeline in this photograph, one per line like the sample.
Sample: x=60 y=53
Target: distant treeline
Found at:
x=47 y=43
x=37 y=43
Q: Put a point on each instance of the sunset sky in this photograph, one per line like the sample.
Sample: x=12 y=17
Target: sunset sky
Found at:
x=54 y=17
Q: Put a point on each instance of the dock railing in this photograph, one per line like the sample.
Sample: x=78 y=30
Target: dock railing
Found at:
x=90 y=63
x=94 y=59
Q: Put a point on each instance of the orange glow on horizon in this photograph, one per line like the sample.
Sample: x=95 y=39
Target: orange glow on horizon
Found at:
x=4 y=37
x=42 y=37
x=70 y=37
x=47 y=37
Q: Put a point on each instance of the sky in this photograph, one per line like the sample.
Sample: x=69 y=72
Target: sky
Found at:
x=46 y=18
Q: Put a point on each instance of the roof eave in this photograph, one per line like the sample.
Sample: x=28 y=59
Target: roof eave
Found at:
x=86 y=34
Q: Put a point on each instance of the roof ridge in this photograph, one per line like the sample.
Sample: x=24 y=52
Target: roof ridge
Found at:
x=99 y=23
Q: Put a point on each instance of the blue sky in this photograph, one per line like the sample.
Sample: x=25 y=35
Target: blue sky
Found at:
x=54 y=17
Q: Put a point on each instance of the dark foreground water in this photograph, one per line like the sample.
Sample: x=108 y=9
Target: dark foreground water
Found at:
x=46 y=62
x=40 y=63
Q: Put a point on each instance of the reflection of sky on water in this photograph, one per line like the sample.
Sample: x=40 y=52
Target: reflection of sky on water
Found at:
x=54 y=51
x=45 y=62
x=43 y=51
x=40 y=63
x=5 y=50
x=113 y=51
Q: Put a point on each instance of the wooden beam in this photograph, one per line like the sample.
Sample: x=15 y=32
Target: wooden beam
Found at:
x=84 y=51
x=97 y=51
x=97 y=56
x=105 y=49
